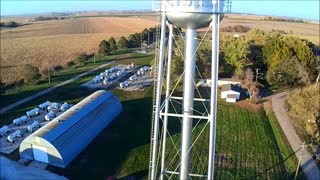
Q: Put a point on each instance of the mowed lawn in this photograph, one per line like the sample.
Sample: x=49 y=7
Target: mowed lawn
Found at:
x=246 y=148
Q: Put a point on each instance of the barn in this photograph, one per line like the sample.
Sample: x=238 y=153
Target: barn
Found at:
x=61 y=140
x=230 y=92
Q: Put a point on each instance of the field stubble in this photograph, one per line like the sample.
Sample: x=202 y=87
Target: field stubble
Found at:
x=52 y=43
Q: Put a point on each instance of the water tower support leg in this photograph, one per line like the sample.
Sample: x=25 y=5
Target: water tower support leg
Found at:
x=188 y=98
x=214 y=89
x=155 y=138
x=165 y=121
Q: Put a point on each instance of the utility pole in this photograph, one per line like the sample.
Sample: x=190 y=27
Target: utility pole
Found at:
x=148 y=39
x=257 y=74
x=49 y=75
x=301 y=153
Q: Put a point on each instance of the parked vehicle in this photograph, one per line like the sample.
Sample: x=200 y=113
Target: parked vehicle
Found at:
x=51 y=115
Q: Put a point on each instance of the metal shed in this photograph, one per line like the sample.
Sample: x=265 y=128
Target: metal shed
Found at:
x=62 y=139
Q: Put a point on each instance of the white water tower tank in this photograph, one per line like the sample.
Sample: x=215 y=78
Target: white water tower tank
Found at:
x=192 y=14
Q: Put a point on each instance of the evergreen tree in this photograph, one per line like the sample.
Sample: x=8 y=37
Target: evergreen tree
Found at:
x=113 y=44
x=123 y=43
x=104 y=48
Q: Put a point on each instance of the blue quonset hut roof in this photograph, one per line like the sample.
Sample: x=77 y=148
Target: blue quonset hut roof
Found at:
x=73 y=130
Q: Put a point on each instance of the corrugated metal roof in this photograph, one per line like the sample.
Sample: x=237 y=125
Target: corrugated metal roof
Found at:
x=72 y=131
x=68 y=119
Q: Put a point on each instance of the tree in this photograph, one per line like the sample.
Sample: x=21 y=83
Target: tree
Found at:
x=249 y=83
x=2 y=85
x=145 y=35
x=104 y=48
x=30 y=73
x=234 y=52
x=257 y=36
x=289 y=72
x=133 y=41
x=11 y=24
x=123 y=43
x=304 y=109
x=290 y=60
x=113 y=44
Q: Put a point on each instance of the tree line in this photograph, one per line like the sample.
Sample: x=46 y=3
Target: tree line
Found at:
x=49 y=18
x=283 y=19
x=9 y=24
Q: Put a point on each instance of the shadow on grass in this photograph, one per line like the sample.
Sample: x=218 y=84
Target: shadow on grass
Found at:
x=137 y=175
x=281 y=163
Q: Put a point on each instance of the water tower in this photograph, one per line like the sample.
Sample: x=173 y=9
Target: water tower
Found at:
x=190 y=15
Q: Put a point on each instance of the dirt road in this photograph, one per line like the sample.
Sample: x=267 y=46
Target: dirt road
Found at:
x=13 y=105
x=307 y=164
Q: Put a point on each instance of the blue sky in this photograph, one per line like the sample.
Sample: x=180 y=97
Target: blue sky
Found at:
x=308 y=9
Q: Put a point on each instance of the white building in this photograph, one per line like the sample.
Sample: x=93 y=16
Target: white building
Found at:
x=221 y=82
x=230 y=92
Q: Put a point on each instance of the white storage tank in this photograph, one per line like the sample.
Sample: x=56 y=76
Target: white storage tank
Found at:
x=4 y=130
x=65 y=106
x=33 y=112
x=32 y=126
x=44 y=105
x=11 y=138
x=50 y=116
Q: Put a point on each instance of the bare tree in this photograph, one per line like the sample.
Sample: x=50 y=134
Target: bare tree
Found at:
x=250 y=84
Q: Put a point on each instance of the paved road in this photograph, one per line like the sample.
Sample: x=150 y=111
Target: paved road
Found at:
x=307 y=164
x=13 y=105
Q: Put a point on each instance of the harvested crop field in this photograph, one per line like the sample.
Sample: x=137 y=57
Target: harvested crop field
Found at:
x=58 y=42
x=309 y=31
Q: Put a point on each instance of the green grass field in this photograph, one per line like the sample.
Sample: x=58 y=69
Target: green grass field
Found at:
x=247 y=148
x=250 y=144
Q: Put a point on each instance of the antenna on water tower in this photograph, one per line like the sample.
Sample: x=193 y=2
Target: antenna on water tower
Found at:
x=189 y=15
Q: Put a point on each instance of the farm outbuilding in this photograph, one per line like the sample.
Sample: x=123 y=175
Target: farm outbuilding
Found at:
x=61 y=140
x=230 y=92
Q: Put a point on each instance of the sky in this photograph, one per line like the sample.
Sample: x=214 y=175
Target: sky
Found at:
x=306 y=9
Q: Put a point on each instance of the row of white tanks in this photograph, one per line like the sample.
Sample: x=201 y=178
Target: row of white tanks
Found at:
x=134 y=77
x=110 y=74
x=50 y=107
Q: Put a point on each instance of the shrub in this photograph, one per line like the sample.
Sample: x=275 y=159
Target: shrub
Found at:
x=70 y=64
x=11 y=24
x=30 y=73
x=82 y=58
